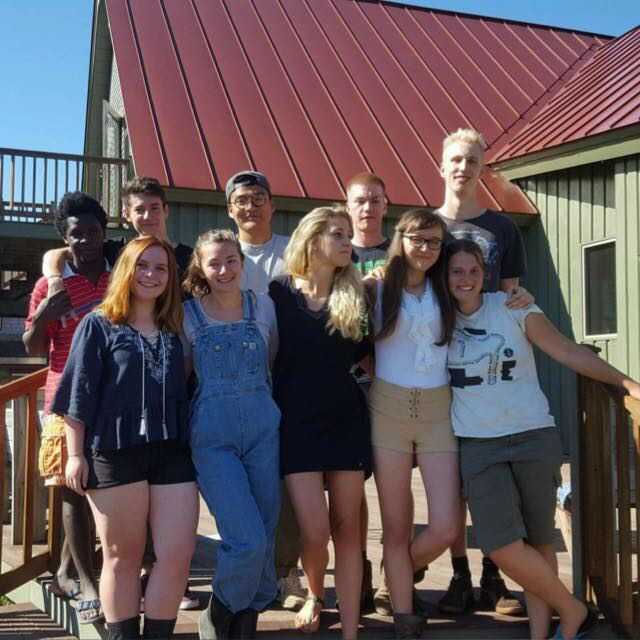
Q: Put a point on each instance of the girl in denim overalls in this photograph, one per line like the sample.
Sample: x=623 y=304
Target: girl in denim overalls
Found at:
x=232 y=336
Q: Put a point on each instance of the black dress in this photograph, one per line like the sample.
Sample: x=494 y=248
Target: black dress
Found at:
x=325 y=420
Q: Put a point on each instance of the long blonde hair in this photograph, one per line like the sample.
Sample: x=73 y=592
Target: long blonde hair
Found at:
x=195 y=282
x=346 y=303
x=116 y=305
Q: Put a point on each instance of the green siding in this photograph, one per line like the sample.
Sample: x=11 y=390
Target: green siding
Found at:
x=187 y=221
x=577 y=207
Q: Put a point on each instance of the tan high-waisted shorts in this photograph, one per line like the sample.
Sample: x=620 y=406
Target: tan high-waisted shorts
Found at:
x=411 y=420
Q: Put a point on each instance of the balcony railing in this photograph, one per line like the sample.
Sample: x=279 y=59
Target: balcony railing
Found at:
x=32 y=183
x=609 y=443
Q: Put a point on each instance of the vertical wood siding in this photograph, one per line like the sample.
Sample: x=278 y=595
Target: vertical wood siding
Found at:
x=188 y=221
x=579 y=206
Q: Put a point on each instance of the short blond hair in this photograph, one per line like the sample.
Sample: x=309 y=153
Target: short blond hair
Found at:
x=469 y=136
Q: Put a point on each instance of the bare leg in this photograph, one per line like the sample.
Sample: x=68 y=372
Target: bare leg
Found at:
x=393 y=480
x=345 y=496
x=441 y=479
x=306 y=491
x=79 y=538
x=534 y=573
x=121 y=514
x=173 y=515
x=538 y=610
x=64 y=583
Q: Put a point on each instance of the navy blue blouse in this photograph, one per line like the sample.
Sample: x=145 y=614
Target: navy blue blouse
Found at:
x=101 y=386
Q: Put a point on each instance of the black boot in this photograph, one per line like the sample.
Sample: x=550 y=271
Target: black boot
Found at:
x=244 y=625
x=408 y=625
x=124 y=630
x=215 y=621
x=158 y=628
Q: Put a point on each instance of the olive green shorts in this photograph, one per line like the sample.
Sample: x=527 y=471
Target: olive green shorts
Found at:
x=510 y=484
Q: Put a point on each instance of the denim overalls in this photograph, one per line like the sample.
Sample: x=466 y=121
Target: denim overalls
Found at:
x=235 y=448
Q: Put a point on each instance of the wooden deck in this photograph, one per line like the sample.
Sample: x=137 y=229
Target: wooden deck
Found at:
x=279 y=624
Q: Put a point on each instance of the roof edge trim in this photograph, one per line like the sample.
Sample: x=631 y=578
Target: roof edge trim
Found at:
x=598 y=148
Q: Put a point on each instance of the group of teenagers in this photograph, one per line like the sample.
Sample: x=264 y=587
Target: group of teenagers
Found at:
x=261 y=371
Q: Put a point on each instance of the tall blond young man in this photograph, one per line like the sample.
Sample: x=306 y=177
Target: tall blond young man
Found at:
x=251 y=207
x=503 y=249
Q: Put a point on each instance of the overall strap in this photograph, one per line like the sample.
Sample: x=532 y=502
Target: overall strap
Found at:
x=194 y=311
x=249 y=305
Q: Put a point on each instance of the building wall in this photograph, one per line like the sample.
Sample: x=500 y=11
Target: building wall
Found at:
x=577 y=207
x=187 y=221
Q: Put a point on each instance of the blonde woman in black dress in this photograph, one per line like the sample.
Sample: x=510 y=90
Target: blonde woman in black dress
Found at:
x=325 y=434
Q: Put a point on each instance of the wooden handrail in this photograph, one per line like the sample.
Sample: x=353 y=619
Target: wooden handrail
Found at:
x=31 y=566
x=609 y=468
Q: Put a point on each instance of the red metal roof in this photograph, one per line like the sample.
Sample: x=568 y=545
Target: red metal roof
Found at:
x=603 y=96
x=313 y=91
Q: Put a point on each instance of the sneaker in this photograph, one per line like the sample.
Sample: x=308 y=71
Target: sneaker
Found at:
x=291 y=593
x=189 y=601
x=494 y=596
x=459 y=596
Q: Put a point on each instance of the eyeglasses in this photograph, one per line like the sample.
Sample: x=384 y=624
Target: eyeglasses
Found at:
x=242 y=202
x=419 y=242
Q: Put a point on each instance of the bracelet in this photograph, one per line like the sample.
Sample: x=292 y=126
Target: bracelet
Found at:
x=75 y=455
x=54 y=276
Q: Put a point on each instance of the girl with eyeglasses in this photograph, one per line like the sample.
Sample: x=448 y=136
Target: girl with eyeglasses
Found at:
x=123 y=397
x=409 y=404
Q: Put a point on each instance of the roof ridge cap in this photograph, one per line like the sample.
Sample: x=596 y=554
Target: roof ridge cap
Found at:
x=572 y=72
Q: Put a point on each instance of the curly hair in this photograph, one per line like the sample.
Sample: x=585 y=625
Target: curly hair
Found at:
x=74 y=204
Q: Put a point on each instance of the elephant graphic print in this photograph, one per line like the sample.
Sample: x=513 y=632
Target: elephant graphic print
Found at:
x=488 y=352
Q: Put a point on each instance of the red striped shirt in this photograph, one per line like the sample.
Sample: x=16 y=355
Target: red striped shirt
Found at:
x=84 y=297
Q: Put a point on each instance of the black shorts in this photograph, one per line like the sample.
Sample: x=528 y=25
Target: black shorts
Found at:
x=165 y=462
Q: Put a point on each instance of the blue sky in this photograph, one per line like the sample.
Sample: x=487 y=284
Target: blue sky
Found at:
x=44 y=57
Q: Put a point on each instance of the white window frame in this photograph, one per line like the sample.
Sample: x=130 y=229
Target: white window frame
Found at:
x=594 y=336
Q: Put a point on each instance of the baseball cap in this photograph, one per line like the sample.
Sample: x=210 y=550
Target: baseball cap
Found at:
x=246 y=179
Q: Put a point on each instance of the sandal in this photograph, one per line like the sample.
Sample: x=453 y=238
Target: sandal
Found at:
x=308 y=618
x=57 y=590
x=89 y=612
x=587 y=626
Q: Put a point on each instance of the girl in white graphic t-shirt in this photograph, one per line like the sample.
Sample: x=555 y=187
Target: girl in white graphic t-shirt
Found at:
x=510 y=451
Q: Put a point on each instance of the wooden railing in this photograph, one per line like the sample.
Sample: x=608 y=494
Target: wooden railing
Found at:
x=29 y=566
x=32 y=183
x=609 y=477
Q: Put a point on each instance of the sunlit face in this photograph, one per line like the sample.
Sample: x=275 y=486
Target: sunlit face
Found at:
x=221 y=264
x=333 y=246
x=422 y=248
x=252 y=209
x=462 y=165
x=147 y=215
x=465 y=277
x=151 y=275
x=367 y=205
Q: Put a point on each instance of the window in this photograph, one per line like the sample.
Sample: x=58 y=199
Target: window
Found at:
x=599 y=272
